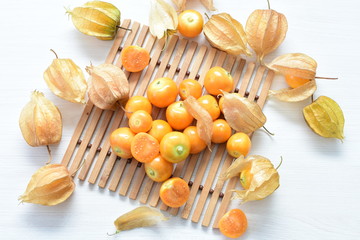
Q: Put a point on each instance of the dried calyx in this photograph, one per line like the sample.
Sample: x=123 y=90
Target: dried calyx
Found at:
x=139 y=217
x=163 y=19
x=242 y=114
x=180 y=4
x=204 y=123
x=265 y=31
x=227 y=34
x=96 y=18
x=50 y=185
x=258 y=176
x=40 y=121
x=325 y=117
x=66 y=80
x=107 y=85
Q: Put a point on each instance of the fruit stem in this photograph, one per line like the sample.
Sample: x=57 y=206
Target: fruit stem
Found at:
x=272 y=134
x=281 y=160
x=328 y=78
x=207 y=16
x=54 y=53
x=127 y=29
x=268 y=2
x=50 y=156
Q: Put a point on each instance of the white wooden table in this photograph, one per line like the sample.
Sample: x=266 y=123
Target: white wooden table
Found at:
x=319 y=194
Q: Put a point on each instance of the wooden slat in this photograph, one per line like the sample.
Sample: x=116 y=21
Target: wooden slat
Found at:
x=129 y=40
x=137 y=183
x=195 y=187
x=119 y=170
x=215 y=195
x=198 y=61
x=85 y=141
x=77 y=133
x=209 y=181
x=247 y=77
x=94 y=147
x=265 y=89
x=186 y=63
x=207 y=65
x=118 y=39
x=256 y=84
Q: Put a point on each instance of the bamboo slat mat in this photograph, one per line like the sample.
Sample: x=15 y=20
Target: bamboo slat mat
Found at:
x=181 y=59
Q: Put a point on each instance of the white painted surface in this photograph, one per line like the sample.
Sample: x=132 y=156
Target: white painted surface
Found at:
x=319 y=193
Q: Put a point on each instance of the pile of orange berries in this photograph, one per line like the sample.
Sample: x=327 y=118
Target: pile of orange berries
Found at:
x=161 y=143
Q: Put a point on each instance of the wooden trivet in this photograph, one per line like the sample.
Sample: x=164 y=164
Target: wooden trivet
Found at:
x=180 y=59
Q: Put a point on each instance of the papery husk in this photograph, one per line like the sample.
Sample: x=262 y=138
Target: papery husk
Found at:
x=295 y=64
x=227 y=34
x=107 y=85
x=265 y=31
x=295 y=94
x=325 y=117
x=139 y=217
x=96 y=18
x=265 y=179
x=209 y=4
x=163 y=20
x=40 y=121
x=242 y=114
x=49 y=185
x=203 y=118
x=66 y=80
x=235 y=168
x=181 y=4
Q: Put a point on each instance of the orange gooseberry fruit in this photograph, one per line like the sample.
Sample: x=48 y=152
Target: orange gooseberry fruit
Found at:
x=120 y=142
x=210 y=104
x=238 y=144
x=190 y=87
x=175 y=147
x=158 y=169
x=233 y=224
x=197 y=144
x=144 y=147
x=177 y=116
x=174 y=192
x=190 y=23
x=140 y=121
x=221 y=101
x=134 y=58
x=162 y=92
x=159 y=128
x=216 y=79
x=246 y=177
x=137 y=103
x=295 y=82
x=221 y=131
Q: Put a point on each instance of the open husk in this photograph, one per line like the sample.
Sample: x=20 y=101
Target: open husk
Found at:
x=163 y=20
x=295 y=64
x=66 y=80
x=227 y=34
x=242 y=114
x=181 y=4
x=325 y=117
x=139 y=217
x=96 y=18
x=107 y=85
x=295 y=94
x=265 y=31
x=204 y=121
x=50 y=185
x=262 y=177
x=40 y=121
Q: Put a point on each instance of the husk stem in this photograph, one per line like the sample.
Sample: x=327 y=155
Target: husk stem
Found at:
x=50 y=156
x=268 y=132
x=268 y=2
x=54 y=53
x=327 y=78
